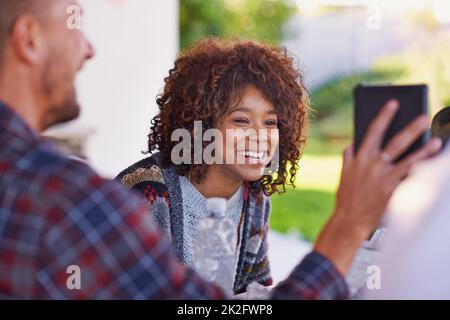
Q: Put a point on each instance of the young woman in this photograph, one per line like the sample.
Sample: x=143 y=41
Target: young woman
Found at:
x=226 y=85
x=230 y=85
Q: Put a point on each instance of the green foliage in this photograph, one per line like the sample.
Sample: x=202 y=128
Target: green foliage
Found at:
x=430 y=66
x=337 y=95
x=332 y=103
x=256 y=19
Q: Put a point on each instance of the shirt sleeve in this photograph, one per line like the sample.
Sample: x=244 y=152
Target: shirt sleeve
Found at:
x=313 y=279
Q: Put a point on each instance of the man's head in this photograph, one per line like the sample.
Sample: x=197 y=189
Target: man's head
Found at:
x=440 y=126
x=41 y=53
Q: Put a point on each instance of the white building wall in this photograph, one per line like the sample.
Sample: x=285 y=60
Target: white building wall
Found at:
x=136 y=42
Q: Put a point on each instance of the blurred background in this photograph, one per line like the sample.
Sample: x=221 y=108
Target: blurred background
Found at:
x=338 y=44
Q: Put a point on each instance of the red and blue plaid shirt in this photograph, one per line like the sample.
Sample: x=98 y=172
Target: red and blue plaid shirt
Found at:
x=56 y=212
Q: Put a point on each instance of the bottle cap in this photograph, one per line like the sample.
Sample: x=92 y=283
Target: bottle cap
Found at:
x=216 y=206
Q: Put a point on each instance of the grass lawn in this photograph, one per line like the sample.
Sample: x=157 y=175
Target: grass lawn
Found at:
x=302 y=210
x=307 y=207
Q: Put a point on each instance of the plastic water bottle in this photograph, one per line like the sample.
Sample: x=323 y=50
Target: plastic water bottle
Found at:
x=215 y=244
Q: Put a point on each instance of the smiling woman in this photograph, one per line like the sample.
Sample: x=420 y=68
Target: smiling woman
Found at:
x=252 y=95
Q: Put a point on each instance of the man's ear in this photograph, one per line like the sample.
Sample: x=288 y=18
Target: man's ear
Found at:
x=27 y=40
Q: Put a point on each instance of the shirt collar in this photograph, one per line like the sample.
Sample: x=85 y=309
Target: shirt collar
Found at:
x=11 y=122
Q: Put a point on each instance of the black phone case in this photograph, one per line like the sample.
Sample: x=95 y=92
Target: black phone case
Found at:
x=369 y=100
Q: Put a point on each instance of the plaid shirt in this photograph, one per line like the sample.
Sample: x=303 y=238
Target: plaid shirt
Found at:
x=56 y=212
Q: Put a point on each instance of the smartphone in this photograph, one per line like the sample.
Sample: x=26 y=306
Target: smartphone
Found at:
x=369 y=100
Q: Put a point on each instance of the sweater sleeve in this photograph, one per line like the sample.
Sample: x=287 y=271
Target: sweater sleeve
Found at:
x=150 y=185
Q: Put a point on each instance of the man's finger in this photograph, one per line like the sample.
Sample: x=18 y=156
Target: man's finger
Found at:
x=403 y=140
x=402 y=169
x=376 y=131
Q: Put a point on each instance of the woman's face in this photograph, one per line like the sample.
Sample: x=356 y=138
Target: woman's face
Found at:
x=251 y=136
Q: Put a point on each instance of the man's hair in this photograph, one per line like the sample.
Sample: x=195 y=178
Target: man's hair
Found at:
x=10 y=11
x=440 y=126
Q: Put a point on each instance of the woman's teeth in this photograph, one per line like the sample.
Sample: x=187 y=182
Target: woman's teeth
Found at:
x=251 y=154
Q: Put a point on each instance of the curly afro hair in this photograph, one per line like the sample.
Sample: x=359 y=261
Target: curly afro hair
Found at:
x=208 y=77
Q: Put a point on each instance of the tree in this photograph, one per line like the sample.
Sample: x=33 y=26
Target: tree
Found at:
x=256 y=19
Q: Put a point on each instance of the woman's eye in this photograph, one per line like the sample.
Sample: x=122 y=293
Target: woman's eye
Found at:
x=241 y=121
x=271 y=123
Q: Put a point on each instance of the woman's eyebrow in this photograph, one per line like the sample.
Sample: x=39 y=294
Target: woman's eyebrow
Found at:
x=242 y=109
x=245 y=109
